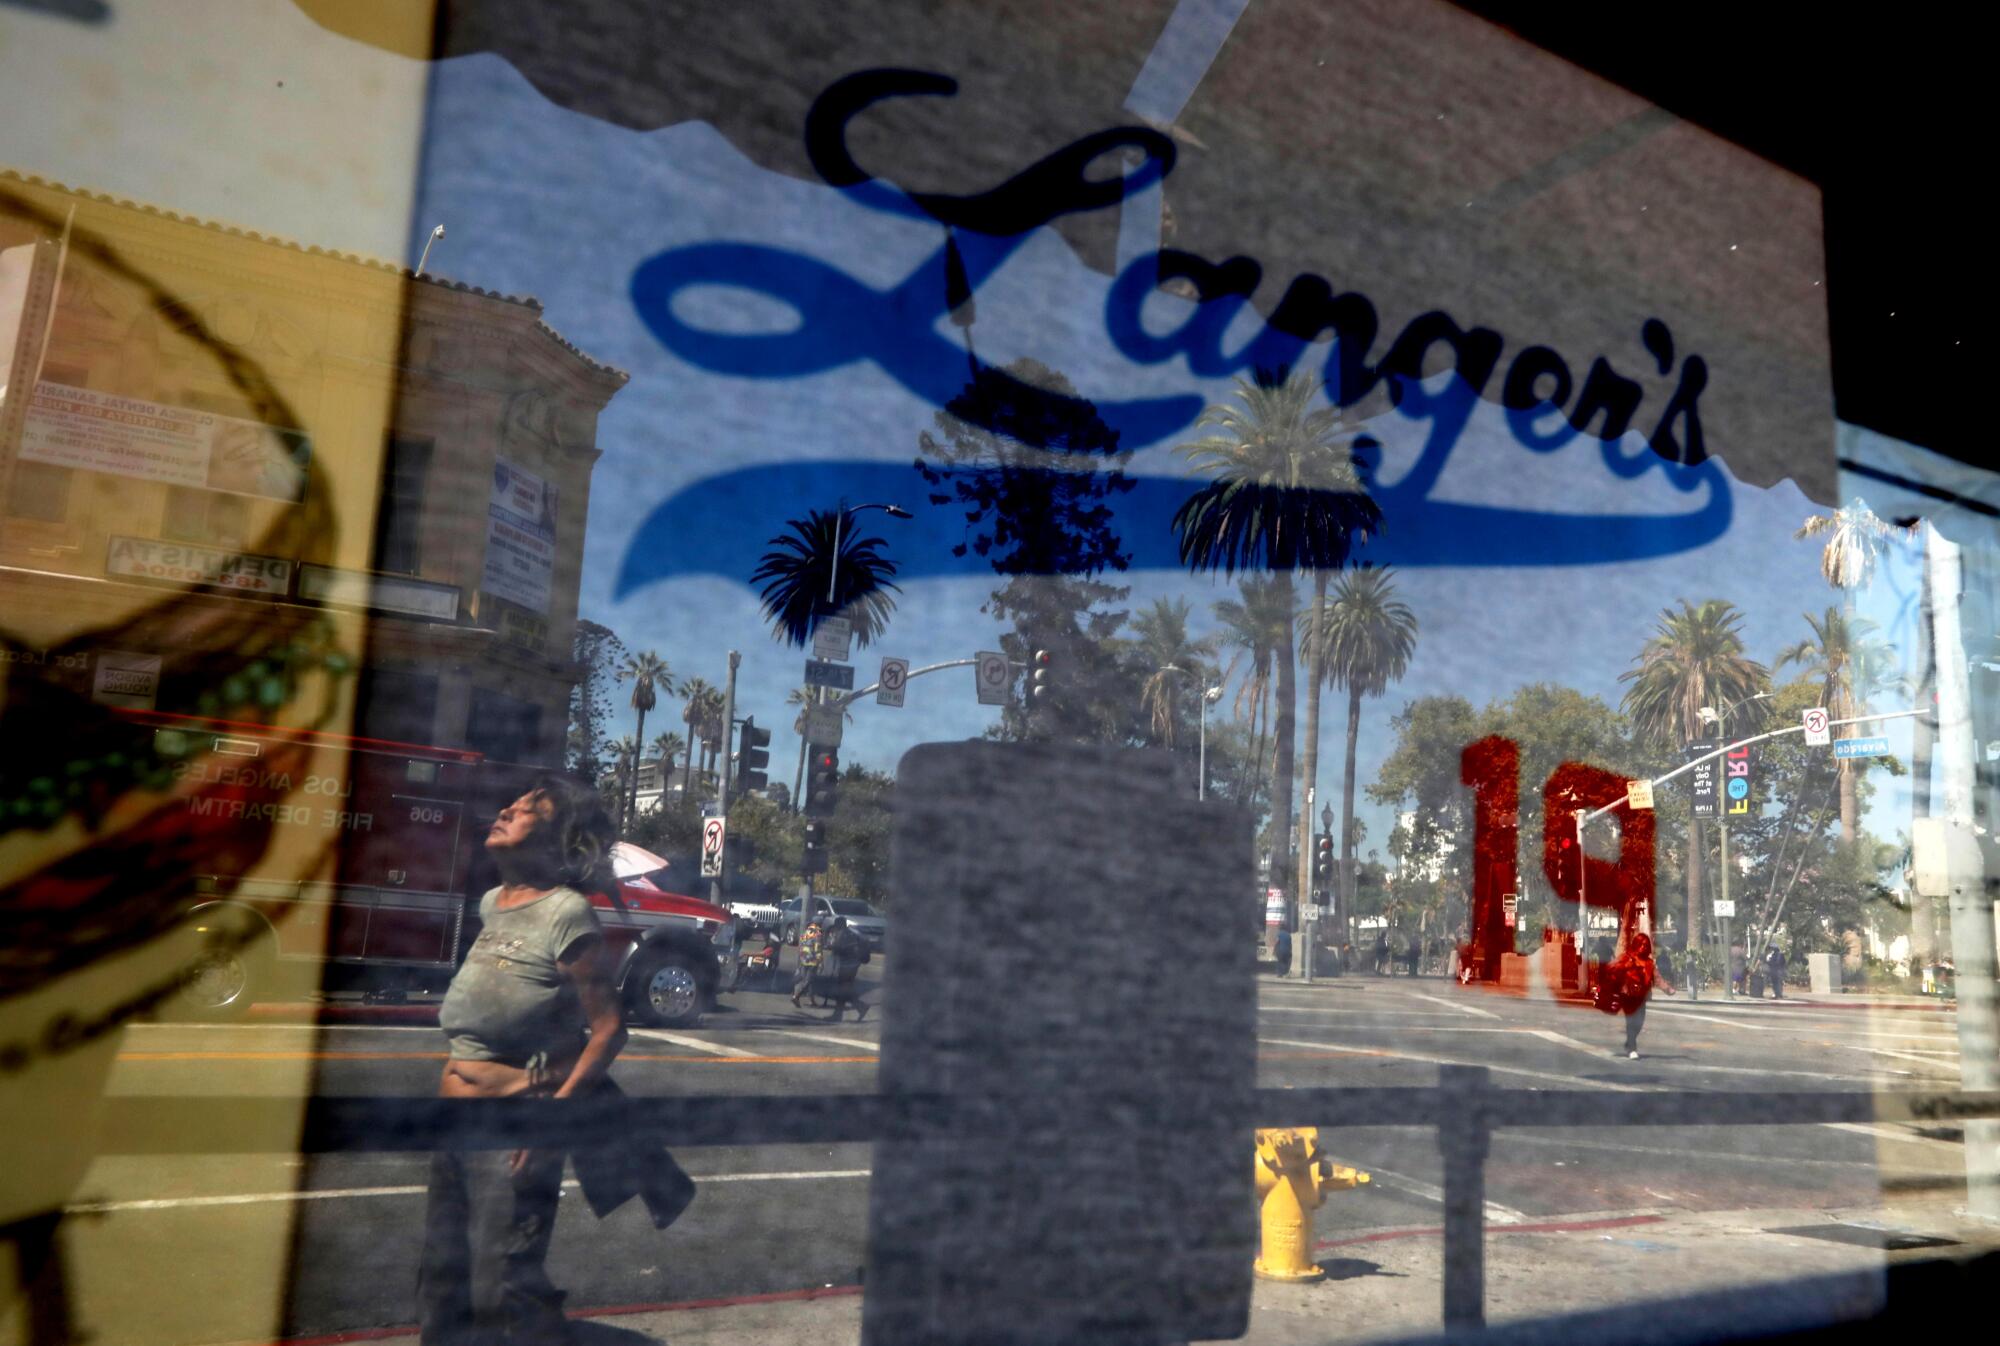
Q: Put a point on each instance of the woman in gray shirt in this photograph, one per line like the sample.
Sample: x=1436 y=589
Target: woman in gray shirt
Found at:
x=532 y=1013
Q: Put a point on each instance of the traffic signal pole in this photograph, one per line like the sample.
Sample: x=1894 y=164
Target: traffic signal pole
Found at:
x=719 y=884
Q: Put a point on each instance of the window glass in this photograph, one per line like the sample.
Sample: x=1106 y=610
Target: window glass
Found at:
x=1389 y=612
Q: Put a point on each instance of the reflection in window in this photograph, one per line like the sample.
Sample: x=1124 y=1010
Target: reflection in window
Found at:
x=195 y=515
x=39 y=491
x=405 y=470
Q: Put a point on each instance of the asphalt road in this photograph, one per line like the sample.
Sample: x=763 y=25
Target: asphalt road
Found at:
x=160 y=1244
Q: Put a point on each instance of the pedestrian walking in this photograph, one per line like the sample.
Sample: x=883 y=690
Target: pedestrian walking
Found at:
x=812 y=953
x=1774 y=970
x=1281 y=951
x=1381 y=953
x=840 y=973
x=530 y=1014
x=1624 y=985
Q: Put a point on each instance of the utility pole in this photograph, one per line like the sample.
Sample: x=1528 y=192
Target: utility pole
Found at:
x=718 y=886
x=1971 y=905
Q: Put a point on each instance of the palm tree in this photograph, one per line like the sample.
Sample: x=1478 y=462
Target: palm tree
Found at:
x=625 y=770
x=649 y=676
x=1173 y=661
x=1694 y=659
x=667 y=747
x=1852 y=664
x=1257 y=624
x=1286 y=497
x=1855 y=538
x=714 y=733
x=1364 y=641
x=797 y=568
x=696 y=693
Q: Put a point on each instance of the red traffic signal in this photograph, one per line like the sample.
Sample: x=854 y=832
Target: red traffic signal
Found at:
x=1044 y=674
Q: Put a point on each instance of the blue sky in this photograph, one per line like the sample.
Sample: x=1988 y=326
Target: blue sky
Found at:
x=543 y=201
x=701 y=465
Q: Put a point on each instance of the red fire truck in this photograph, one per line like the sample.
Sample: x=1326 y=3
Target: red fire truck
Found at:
x=351 y=864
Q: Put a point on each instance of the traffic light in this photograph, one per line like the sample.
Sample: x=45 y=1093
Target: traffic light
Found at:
x=1323 y=861
x=814 y=861
x=1044 y=676
x=751 y=757
x=823 y=782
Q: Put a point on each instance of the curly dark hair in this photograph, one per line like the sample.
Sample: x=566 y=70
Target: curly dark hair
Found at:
x=577 y=841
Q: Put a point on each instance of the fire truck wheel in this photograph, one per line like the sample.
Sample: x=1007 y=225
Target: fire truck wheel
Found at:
x=224 y=984
x=665 y=991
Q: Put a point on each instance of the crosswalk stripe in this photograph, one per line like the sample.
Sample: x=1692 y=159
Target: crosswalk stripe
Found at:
x=1453 y=1004
x=861 y=1043
x=328 y=1194
x=694 y=1044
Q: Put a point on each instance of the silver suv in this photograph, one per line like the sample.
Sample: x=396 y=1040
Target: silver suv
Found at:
x=863 y=919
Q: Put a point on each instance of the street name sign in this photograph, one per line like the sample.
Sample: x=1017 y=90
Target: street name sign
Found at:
x=1639 y=794
x=712 y=833
x=826 y=673
x=1725 y=907
x=824 y=725
x=1819 y=730
x=832 y=638
x=1702 y=793
x=1861 y=747
x=889 y=686
x=992 y=678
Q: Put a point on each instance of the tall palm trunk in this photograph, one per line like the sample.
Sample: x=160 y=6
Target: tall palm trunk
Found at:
x=1697 y=856
x=1282 y=759
x=1347 y=846
x=1316 y=675
x=1850 y=811
x=632 y=799
x=1260 y=727
x=687 y=775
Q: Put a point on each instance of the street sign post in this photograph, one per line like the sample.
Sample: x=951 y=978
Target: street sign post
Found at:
x=894 y=678
x=1639 y=794
x=712 y=833
x=1818 y=727
x=1702 y=793
x=1861 y=747
x=992 y=678
x=824 y=725
x=832 y=638
x=826 y=673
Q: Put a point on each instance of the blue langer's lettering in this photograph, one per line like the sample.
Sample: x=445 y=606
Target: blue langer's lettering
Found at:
x=1545 y=402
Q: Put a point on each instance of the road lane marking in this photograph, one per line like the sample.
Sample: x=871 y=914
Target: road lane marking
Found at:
x=693 y=1044
x=1669 y=1013
x=1550 y=1035
x=284 y=1028
x=748 y=1059
x=1453 y=1004
x=861 y=1043
x=1417 y=1187
x=1577 y=1081
x=1901 y=1056
x=417 y=1189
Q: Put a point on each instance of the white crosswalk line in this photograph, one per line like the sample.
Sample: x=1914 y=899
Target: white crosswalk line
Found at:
x=862 y=1043
x=694 y=1044
x=268 y=1198
x=1417 y=1187
x=1453 y=1004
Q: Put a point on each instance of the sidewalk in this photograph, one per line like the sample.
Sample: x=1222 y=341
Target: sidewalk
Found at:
x=1775 y=1266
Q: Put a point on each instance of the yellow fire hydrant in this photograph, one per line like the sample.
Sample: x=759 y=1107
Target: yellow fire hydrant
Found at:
x=1293 y=1178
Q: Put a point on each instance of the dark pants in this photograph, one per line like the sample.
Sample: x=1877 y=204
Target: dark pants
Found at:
x=1776 y=981
x=486 y=1233
x=1635 y=1019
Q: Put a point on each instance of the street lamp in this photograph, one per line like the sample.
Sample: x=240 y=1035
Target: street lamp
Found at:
x=1208 y=698
x=1708 y=715
x=839 y=522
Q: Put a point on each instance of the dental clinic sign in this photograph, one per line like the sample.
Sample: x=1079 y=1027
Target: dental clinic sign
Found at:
x=520 y=537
